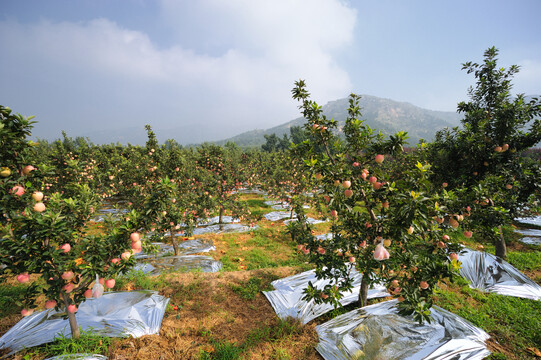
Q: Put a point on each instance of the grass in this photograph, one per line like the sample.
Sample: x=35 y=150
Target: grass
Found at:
x=530 y=260
x=250 y=289
x=512 y=322
x=8 y=293
x=88 y=342
x=275 y=334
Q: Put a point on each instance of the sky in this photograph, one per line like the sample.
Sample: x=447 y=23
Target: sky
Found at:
x=211 y=69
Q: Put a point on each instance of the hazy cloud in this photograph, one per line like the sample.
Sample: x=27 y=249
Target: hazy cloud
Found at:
x=234 y=62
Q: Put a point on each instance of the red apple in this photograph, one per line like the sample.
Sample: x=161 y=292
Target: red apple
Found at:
x=27 y=169
x=39 y=207
x=22 y=278
x=135 y=236
x=423 y=285
x=49 y=304
x=379 y=158
x=468 y=234
x=346 y=184
x=68 y=287
x=110 y=283
x=18 y=190
x=88 y=293
x=67 y=275
x=26 y=312
x=348 y=193
x=72 y=308
x=66 y=247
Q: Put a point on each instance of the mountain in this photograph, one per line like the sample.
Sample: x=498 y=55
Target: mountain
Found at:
x=385 y=115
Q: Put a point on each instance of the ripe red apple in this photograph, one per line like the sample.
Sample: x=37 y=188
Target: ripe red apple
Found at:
x=509 y=186
x=453 y=223
x=372 y=179
x=351 y=259
x=445 y=184
x=498 y=149
x=39 y=207
x=346 y=184
x=423 y=285
x=18 y=190
x=27 y=312
x=110 y=283
x=394 y=283
x=22 y=278
x=66 y=247
x=453 y=256
x=348 y=193
x=88 y=293
x=319 y=176
x=468 y=234
x=336 y=182
x=135 y=236
x=67 y=275
x=385 y=205
x=72 y=308
x=324 y=296
x=377 y=185
x=27 y=169
x=49 y=304
x=446 y=237
x=441 y=245
x=68 y=287
x=126 y=255
x=379 y=158
x=334 y=213
x=505 y=147
x=37 y=196
x=115 y=260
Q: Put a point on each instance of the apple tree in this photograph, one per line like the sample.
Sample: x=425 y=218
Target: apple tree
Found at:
x=384 y=211
x=482 y=160
x=43 y=234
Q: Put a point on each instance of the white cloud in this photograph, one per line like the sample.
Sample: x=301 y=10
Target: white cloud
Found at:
x=256 y=50
x=528 y=80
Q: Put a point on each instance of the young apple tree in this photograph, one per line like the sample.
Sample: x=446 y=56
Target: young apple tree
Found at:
x=482 y=159
x=384 y=213
x=44 y=234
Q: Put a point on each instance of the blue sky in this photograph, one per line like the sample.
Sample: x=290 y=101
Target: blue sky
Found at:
x=90 y=65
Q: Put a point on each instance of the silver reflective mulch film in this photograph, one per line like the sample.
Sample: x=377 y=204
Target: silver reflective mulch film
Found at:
x=530 y=236
x=287 y=298
x=379 y=332
x=187 y=247
x=222 y=228
x=115 y=314
x=490 y=273
x=78 y=357
x=308 y=220
x=279 y=215
x=182 y=263
x=530 y=220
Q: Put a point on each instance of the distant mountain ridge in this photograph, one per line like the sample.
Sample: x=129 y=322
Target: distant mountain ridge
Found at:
x=385 y=115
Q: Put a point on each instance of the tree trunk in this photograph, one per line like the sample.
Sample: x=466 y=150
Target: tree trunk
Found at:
x=221 y=215
x=501 y=248
x=174 y=243
x=363 y=293
x=71 y=317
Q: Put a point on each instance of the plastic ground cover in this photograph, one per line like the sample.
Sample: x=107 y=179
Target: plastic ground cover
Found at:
x=379 y=332
x=279 y=215
x=187 y=247
x=115 y=314
x=78 y=357
x=287 y=298
x=155 y=266
x=530 y=236
x=490 y=273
